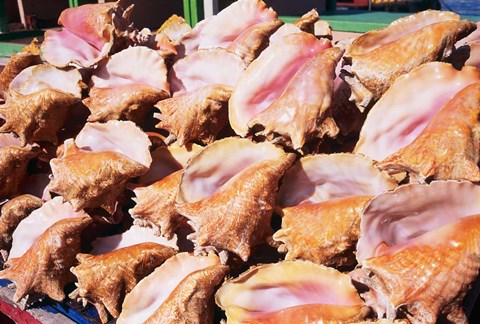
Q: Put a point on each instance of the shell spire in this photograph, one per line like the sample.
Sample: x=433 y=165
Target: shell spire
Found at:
x=12 y=213
x=112 y=169
x=236 y=216
x=192 y=300
x=104 y=280
x=448 y=148
x=156 y=205
x=52 y=254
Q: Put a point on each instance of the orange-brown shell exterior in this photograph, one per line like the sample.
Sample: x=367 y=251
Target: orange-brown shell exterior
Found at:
x=92 y=179
x=156 y=205
x=291 y=292
x=307 y=22
x=129 y=102
x=30 y=55
x=192 y=300
x=304 y=110
x=237 y=217
x=197 y=115
x=37 y=116
x=105 y=279
x=317 y=313
x=13 y=168
x=374 y=71
x=429 y=280
x=254 y=40
x=11 y=214
x=45 y=267
x=449 y=147
x=325 y=232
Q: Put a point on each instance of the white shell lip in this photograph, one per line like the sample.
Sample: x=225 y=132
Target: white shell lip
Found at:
x=148 y=296
x=398 y=29
x=411 y=210
x=271 y=288
x=322 y=177
x=134 y=235
x=219 y=162
x=396 y=120
x=45 y=76
x=247 y=12
x=116 y=136
x=30 y=228
x=267 y=80
x=83 y=55
x=134 y=65
x=168 y=159
x=8 y=139
x=202 y=68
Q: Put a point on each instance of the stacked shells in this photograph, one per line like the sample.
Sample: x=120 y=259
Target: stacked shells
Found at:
x=245 y=162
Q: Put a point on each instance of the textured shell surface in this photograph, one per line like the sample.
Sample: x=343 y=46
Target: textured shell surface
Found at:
x=398 y=216
x=321 y=177
x=145 y=298
x=116 y=136
x=271 y=288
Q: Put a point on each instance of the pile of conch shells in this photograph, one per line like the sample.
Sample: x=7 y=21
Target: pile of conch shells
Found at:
x=247 y=169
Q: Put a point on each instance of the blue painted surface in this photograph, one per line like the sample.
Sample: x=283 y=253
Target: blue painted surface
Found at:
x=70 y=309
x=462 y=7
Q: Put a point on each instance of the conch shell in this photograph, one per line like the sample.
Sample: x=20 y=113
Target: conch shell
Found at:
x=467 y=54
x=291 y=292
x=249 y=44
x=44 y=268
x=180 y=276
x=37 y=116
x=323 y=198
x=41 y=101
x=284 y=30
x=230 y=208
x=434 y=275
x=306 y=101
x=197 y=115
x=116 y=136
x=13 y=164
x=322 y=177
x=156 y=205
x=396 y=119
x=95 y=174
x=127 y=91
x=307 y=21
x=263 y=85
x=110 y=169
x=198 y=111
x=378 y=57
x=325 y=232
x=449 y=146
x=223 y=28
x=28 y=56
x=129 y=102
x=168 y=159
x=192 y=300
x=199 y=69
x=422 y=271
x=88 y=34
x=394 y=217
x=133 y=236
x=31 y=228
x=104 y=280
x=174 y=28
x=45 y=76
x=12 y=213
